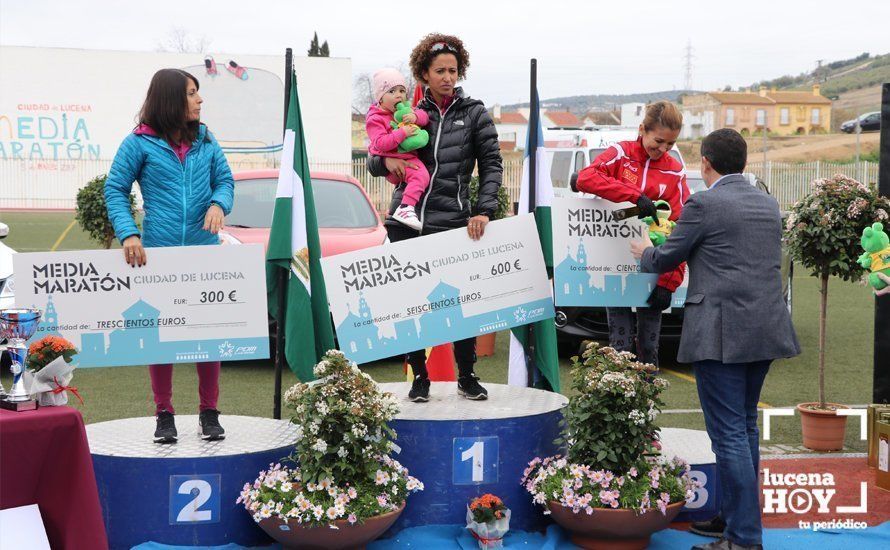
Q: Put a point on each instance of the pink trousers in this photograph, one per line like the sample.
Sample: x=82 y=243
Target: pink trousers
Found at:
x=162 y=385
x=417 y=180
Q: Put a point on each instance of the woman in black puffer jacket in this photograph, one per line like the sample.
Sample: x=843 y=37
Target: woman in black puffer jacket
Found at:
x=462 y=136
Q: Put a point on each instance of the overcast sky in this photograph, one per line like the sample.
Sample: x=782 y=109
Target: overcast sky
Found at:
x=582 y=47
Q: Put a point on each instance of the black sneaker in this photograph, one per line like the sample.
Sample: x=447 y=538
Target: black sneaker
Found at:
x=468 y=386
x=165 y=432
x=713 y=527
x=208 y=422
x=420 y=390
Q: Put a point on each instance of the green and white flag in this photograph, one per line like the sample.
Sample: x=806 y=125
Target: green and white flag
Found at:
x=294 y=245
x=536 y=342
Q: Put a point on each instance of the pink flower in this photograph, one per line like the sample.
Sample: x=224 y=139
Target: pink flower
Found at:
x=352 y=518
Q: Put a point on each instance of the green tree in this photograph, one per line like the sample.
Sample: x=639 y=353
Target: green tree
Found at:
x=91 y=213
x=823 y=233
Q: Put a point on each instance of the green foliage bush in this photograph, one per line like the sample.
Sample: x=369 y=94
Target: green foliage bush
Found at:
x=92 y=214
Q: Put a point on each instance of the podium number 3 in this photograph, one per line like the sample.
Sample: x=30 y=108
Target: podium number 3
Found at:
x=476 y=453
x=700 y=498
x=191 y=512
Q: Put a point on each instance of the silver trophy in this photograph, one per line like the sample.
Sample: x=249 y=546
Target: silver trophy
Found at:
x=17 y=325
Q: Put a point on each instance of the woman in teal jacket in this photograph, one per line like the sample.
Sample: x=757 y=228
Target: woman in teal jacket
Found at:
x=187 y=190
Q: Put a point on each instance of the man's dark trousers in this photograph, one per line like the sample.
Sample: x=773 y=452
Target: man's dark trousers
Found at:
x=729 y=393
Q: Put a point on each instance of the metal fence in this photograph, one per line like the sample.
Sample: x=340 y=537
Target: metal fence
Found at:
x=790 y=182
x=54 y=185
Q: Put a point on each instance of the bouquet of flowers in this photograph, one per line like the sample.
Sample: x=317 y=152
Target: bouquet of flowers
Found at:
x=341 y=468
x=50 y=371
x=613 y=455
x=488 y=520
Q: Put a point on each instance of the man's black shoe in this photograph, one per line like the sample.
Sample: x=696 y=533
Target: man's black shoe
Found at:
x=165 y=431
x=713 y=527
x=724 y=544
x=420 y=390
x=469 y=387
x=208 y=422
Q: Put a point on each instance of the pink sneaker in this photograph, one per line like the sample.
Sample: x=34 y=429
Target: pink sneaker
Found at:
x=407 y=216
x=236 y=70
x=210 y=65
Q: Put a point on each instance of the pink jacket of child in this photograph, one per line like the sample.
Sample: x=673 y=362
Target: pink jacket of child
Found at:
x=384 y=141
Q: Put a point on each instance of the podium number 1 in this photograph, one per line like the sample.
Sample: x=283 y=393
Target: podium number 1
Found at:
x=475 y=460
x=476 y=453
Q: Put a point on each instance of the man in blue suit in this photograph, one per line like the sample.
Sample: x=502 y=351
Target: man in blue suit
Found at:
x=735 y=321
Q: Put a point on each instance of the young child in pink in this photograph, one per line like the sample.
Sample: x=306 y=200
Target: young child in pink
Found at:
x=389 y=89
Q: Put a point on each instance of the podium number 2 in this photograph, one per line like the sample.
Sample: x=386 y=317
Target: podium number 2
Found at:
x=194 y=499
x=192 y=511
x=476 y=453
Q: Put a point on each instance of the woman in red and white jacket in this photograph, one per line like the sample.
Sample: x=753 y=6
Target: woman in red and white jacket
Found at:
x=642 y=172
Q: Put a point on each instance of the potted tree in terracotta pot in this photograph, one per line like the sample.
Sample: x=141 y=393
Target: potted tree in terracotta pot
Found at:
x=485 y=343
x=822 y=233
x=612 y=489
x=340 y=488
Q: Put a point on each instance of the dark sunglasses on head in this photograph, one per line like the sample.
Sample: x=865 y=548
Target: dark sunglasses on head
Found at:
x=442 y=46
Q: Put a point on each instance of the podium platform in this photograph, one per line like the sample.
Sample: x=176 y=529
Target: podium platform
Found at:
x=694 y=446
x=184 y=493
x=461 y=449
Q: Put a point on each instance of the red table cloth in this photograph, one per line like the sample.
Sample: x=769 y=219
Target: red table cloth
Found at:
x=45 y=460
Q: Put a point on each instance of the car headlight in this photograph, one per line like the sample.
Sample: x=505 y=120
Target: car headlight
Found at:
x=8 y=288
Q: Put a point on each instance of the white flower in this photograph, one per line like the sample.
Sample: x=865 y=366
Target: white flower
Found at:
x=342 y=452
x=286 y=487
x=320 y=445
x=637 y=417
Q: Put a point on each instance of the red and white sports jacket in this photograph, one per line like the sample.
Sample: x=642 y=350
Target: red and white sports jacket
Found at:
x=625 y=171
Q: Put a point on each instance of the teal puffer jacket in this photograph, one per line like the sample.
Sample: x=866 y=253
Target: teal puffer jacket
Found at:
x=176 y=194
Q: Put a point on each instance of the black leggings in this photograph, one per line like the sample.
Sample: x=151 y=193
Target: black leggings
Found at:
x=464 y=350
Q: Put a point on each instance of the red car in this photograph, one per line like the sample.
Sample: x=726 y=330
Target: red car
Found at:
x=347 y=219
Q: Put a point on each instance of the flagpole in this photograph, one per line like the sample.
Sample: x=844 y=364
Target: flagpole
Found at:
x=282 y=273
x=534 y=122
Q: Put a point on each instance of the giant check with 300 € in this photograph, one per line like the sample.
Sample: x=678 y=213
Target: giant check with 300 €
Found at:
x=187 y=304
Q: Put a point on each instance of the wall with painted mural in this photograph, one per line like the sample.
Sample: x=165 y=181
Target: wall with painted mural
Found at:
x=62 y=108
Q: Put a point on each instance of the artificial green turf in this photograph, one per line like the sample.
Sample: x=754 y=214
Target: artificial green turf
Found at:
x=247 y=388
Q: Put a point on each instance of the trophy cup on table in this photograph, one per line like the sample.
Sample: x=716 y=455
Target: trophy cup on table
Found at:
x=17 y=325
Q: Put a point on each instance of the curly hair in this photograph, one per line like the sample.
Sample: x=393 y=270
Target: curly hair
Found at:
x=422 y=55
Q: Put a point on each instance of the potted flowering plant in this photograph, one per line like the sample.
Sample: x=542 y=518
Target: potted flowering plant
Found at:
x=612 y=487
x=488 y=520
x=823 y=232
x=340 y=488
x=50 y=370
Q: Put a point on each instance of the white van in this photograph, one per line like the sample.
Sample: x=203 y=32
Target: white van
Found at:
x=571 y=149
